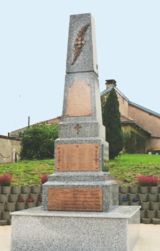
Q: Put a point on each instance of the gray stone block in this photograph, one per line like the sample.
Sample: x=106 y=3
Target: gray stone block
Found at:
x=38 y=230
x=79 y=176
x=88 y=180
x=88 y=129
x=103 y=145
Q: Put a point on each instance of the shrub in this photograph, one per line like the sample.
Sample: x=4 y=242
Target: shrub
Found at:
x=147 y=180
x=44 y=178
x=111 y=120
x=5 y=179
x=38 y=142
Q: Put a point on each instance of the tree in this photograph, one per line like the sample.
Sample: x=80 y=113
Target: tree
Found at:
x=111 y=120
x=38 y=142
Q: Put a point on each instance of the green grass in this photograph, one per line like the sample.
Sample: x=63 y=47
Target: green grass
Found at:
x=27 y=172
x=128 y=166
x=125 y=168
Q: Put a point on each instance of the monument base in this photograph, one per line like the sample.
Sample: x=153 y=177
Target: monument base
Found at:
x=38 y=230
x=80 y=191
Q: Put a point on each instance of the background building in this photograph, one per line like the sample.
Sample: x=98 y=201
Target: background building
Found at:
x=141 y=126
x=9 y=149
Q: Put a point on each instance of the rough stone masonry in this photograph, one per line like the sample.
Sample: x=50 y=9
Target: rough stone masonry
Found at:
x=79 y=183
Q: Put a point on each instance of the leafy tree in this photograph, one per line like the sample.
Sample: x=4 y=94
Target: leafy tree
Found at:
x=38 y=142
x=111 y=120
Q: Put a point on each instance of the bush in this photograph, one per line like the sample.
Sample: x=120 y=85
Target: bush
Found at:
x=44 y=178
x=5 y=179
x=111 y=120
x=38 y=142
x=147 y=180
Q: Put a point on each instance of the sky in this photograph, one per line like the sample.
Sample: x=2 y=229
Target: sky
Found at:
x=33 y=47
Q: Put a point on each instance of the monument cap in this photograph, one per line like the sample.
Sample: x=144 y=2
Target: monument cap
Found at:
x=81 y=55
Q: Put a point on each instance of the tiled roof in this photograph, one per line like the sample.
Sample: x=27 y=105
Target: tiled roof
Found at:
x=130 y=102
x=6 y=137
x=49 y=121
x=144 y=109
x=107 y=91
x=126 y=121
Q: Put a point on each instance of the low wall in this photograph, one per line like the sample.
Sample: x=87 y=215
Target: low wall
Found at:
x=9 y=149
x=17 y=198
x=148 y=197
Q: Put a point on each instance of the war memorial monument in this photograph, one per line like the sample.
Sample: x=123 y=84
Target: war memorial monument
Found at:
x=80 y=209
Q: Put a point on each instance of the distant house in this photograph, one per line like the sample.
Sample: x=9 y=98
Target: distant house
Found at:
x=140 y=125
x=17 y=133
x=9 y=149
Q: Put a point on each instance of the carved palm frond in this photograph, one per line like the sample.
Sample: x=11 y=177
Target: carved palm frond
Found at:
x=79 y=43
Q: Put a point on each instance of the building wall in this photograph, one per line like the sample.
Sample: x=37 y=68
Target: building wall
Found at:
x=135 y=139
x=123 y=106
x=17 y=133
x=9 y=149
x=143 y=119
x=153 y=144
x=147 y=121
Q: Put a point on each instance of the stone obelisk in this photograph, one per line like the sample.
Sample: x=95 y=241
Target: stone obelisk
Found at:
x=81 y=153
x=79 y=200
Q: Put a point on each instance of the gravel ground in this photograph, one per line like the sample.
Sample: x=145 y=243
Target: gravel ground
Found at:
x=149 y=238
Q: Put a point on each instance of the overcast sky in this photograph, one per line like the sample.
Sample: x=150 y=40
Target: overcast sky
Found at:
x=33 y=46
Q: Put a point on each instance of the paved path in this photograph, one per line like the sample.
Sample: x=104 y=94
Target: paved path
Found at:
x=149 y=238
x=5 y=233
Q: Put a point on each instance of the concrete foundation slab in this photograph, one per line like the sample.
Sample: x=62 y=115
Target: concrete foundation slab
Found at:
x=39 y=230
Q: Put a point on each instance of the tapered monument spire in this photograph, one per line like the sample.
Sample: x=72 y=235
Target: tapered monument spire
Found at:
x=79 y=183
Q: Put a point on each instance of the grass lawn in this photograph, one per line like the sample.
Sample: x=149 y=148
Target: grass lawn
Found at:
x=29 y=171
x=125 y=168
x=128 y=166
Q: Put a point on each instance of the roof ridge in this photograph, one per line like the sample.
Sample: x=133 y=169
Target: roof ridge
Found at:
x=144 y=108
x=130 y=102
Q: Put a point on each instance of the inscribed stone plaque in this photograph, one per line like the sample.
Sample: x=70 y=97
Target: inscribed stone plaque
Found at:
x=77 y=157
x=75 y=199
x=79 y=99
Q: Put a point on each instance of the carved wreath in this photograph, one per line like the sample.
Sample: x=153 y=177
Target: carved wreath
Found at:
x=79 y=43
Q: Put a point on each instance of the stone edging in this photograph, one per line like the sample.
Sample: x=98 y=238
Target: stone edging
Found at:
x=147 y=197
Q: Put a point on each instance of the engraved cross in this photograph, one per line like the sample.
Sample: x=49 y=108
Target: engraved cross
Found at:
x=77 y=128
